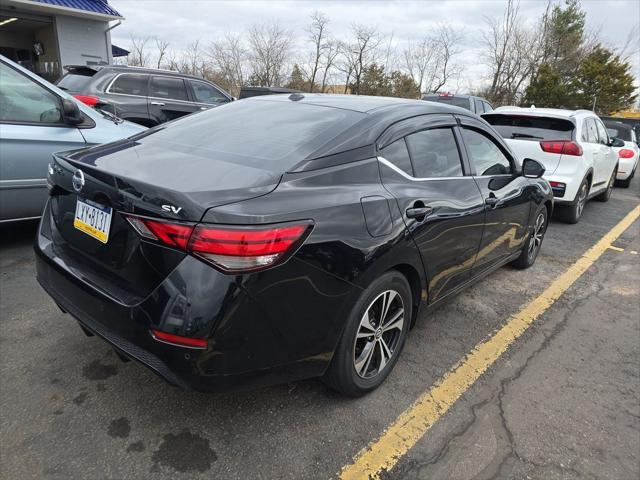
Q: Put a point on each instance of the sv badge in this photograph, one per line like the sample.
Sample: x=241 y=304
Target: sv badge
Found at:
x=171 y=208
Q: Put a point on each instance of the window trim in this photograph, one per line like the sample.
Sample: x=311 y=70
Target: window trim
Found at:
x=60 y=124
x=399 y=171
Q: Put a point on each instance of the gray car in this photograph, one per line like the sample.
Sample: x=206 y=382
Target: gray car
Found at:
x=142 y=95
x=36 y=120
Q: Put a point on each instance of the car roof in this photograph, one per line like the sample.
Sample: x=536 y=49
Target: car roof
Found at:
x=363 y=103
x=129 y=69
x=553 y=112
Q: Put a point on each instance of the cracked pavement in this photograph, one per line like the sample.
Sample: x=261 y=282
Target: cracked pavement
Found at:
x=563 y=402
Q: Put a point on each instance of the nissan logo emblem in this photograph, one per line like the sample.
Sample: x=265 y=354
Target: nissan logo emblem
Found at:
x=78 y=180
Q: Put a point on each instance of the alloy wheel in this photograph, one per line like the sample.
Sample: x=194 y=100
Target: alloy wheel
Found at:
x=582 y=199
x=379 y=334
x=538 y=235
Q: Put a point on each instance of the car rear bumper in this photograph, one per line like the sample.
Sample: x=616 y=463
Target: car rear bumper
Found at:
x=626 y=167
x=255 y=335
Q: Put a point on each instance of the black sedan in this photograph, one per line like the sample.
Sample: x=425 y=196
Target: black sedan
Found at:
x=284 y=237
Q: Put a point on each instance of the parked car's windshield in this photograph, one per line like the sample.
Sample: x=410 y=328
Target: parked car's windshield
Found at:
x=523 y=127
x=621 y=133
x=73 y=82
x=271 y=135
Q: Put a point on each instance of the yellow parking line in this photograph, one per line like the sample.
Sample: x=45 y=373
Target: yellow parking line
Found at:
x=616 y=249
x=414 y=422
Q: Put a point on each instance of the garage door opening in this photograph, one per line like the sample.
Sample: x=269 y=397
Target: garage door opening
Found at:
x=31 y=43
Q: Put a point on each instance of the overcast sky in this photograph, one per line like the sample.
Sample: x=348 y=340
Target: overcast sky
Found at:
x=181 y=22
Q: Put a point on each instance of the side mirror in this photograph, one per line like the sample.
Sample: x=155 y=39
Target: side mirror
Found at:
x=616 y=142
x=532 y=168
x=71 y=114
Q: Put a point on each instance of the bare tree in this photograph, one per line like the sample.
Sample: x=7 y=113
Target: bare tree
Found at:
x=270 y=48
x=331 y=53
x=162 y=46
x=359 y=54
x=139 y=55
x=230 y=57
x=512 y=52
x=318 y=36
x=429 y=61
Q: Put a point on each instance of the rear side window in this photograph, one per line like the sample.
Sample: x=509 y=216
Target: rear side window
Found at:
x=531 y=128
x=73 y=82
x=130 y=84
x=267 y=135
x=169 y=88
x=205 y=93
x=434 y=153
x=485 y=155
x=398 y=154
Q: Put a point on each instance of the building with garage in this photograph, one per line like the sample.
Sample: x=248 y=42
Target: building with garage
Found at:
x=45 y=35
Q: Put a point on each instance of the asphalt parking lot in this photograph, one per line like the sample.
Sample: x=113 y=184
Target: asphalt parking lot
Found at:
x=562 y=402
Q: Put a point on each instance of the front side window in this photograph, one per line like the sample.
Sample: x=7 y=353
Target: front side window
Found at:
x=434 y=153
x=487 y=107
x=24 y=101
x=590 y=131
x=130 y=84
x=169 y=88
x=603 y=137
x=479 y=107
x=487 y=157
x=205 y=93
x=398 y=154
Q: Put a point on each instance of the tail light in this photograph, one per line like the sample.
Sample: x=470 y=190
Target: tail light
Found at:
x=89 y=100
x=563 y=147
x=626 y=153
x=232 y=249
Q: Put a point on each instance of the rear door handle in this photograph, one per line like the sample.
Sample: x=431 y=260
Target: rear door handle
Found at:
x=417 y=212
x=158 y=104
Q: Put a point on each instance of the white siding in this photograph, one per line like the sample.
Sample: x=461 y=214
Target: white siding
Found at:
x=81 y=41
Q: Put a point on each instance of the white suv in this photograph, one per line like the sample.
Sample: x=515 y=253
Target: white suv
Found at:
x=573 y=146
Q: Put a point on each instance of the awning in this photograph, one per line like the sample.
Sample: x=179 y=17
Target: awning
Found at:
x=118 y=52
x=84 y=8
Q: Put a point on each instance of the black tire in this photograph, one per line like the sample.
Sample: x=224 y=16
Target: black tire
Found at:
x=624 y=183
x=571 y=213
x=606 y=195
x=530 y=251
x=356 y=343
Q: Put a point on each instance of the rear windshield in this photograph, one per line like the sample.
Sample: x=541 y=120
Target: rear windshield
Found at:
x=271 y=135
x=73 y=82
x=449 y=100
x=531 y=128
x=621 y=133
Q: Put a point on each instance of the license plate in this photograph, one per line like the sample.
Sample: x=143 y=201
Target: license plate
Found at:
x=93 y=219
